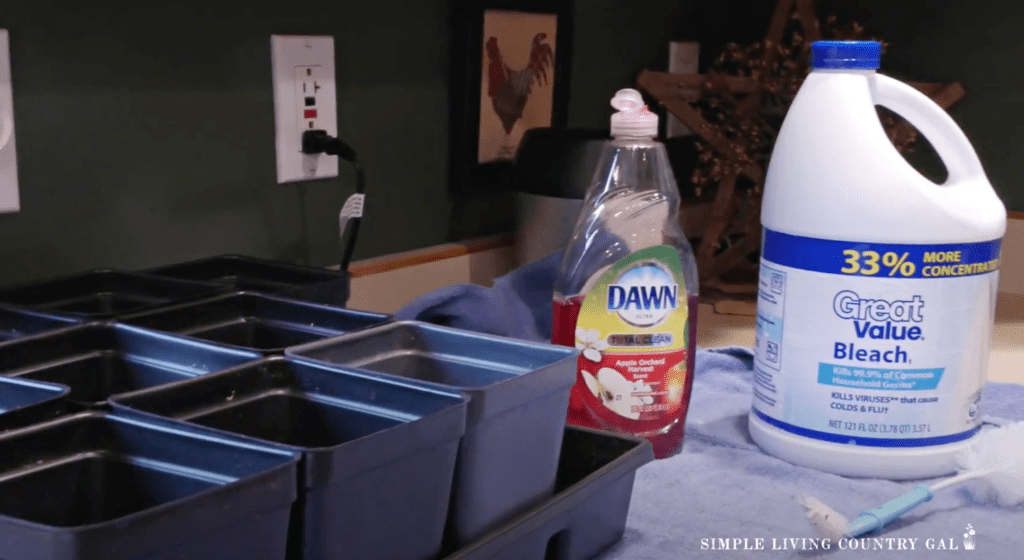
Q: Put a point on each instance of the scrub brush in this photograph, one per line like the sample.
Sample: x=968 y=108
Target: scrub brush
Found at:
x=996 y=457
x=828 y=522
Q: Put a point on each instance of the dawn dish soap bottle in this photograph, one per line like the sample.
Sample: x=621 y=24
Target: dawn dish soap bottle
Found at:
x=877 y=286
x=626 y=293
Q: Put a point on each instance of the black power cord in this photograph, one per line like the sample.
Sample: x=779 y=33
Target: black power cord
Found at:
x=319 y=142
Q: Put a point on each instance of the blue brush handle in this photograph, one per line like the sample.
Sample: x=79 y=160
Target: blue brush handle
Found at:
x=893 y=509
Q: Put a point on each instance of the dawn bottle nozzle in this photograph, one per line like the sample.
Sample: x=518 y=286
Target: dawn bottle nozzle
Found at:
x=633 y=119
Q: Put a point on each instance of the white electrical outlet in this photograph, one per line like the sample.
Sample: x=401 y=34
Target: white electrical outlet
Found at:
x=9 y=201
x=304 y=99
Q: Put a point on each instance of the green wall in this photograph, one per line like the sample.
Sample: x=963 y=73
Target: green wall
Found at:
x=975 y=42
x=145 y=134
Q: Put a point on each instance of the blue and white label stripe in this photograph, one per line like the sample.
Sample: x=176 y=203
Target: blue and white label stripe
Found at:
x=866 y=441
x=883 y=259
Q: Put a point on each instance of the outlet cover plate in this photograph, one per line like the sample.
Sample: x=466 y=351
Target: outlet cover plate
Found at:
x=9 y=201
x=296 y=58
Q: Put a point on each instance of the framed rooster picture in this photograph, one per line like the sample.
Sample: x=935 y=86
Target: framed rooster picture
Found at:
x=510 y=72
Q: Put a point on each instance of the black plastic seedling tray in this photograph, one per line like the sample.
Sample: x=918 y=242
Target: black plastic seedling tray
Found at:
x=94 y=486
x=254 y=321
x=96 y=360
x=240 y=273
x=24 y=401
x=45 y=412
x=518 y=390
x=16 y=323
x=103 y=294
x=378 y=455
x=588 y=512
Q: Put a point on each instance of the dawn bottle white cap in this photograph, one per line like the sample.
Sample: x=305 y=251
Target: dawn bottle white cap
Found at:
x=633 y=118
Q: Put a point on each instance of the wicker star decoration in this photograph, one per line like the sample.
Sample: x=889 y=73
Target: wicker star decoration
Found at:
x=735 y=111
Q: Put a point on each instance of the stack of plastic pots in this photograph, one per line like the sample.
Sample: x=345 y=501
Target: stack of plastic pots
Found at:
x=18 y=323
x=241 y=273
x=518 y=393
x=377 y=456
x=97 y=361
x=93 y=485
x=253 y=321
x=162 y=416
x=24 y=402
x=103 y=294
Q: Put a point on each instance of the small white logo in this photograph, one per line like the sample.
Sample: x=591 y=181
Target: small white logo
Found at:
x=969 y=538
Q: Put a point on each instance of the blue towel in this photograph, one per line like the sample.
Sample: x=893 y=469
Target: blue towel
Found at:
x=518 y=305
x=720 y=488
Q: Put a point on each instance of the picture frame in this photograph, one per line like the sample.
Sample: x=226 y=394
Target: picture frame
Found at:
x=514 y=78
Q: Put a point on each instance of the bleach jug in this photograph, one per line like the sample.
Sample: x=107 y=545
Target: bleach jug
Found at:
x=626 y=293
x=877 y=286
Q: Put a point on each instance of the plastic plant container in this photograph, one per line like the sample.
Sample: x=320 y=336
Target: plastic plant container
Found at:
x=38 y=414
x=588 y=512
x=103 y=294
x=241 y=273
x=378 y=455
x=16 y=323
x=255 y=322
x=24 y=402
x=518 y=390
x=96 y=360
x=94 y=485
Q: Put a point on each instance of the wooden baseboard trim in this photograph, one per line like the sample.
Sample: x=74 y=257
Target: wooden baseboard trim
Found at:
x=451 y=250
x=429 y=254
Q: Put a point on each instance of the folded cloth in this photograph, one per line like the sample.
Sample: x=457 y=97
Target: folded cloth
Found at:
x=518 y=305
x=720 y=488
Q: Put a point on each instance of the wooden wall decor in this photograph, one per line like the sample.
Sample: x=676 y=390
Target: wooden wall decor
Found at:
x=735 y=111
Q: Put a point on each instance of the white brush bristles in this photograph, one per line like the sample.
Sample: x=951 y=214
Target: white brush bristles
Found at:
x=997 y=458
x=827 y=522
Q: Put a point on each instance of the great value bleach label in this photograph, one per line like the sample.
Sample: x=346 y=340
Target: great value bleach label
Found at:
x=880 y=343
x=877 y=285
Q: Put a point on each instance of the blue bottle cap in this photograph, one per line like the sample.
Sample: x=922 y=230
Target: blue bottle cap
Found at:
x=848 y=55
